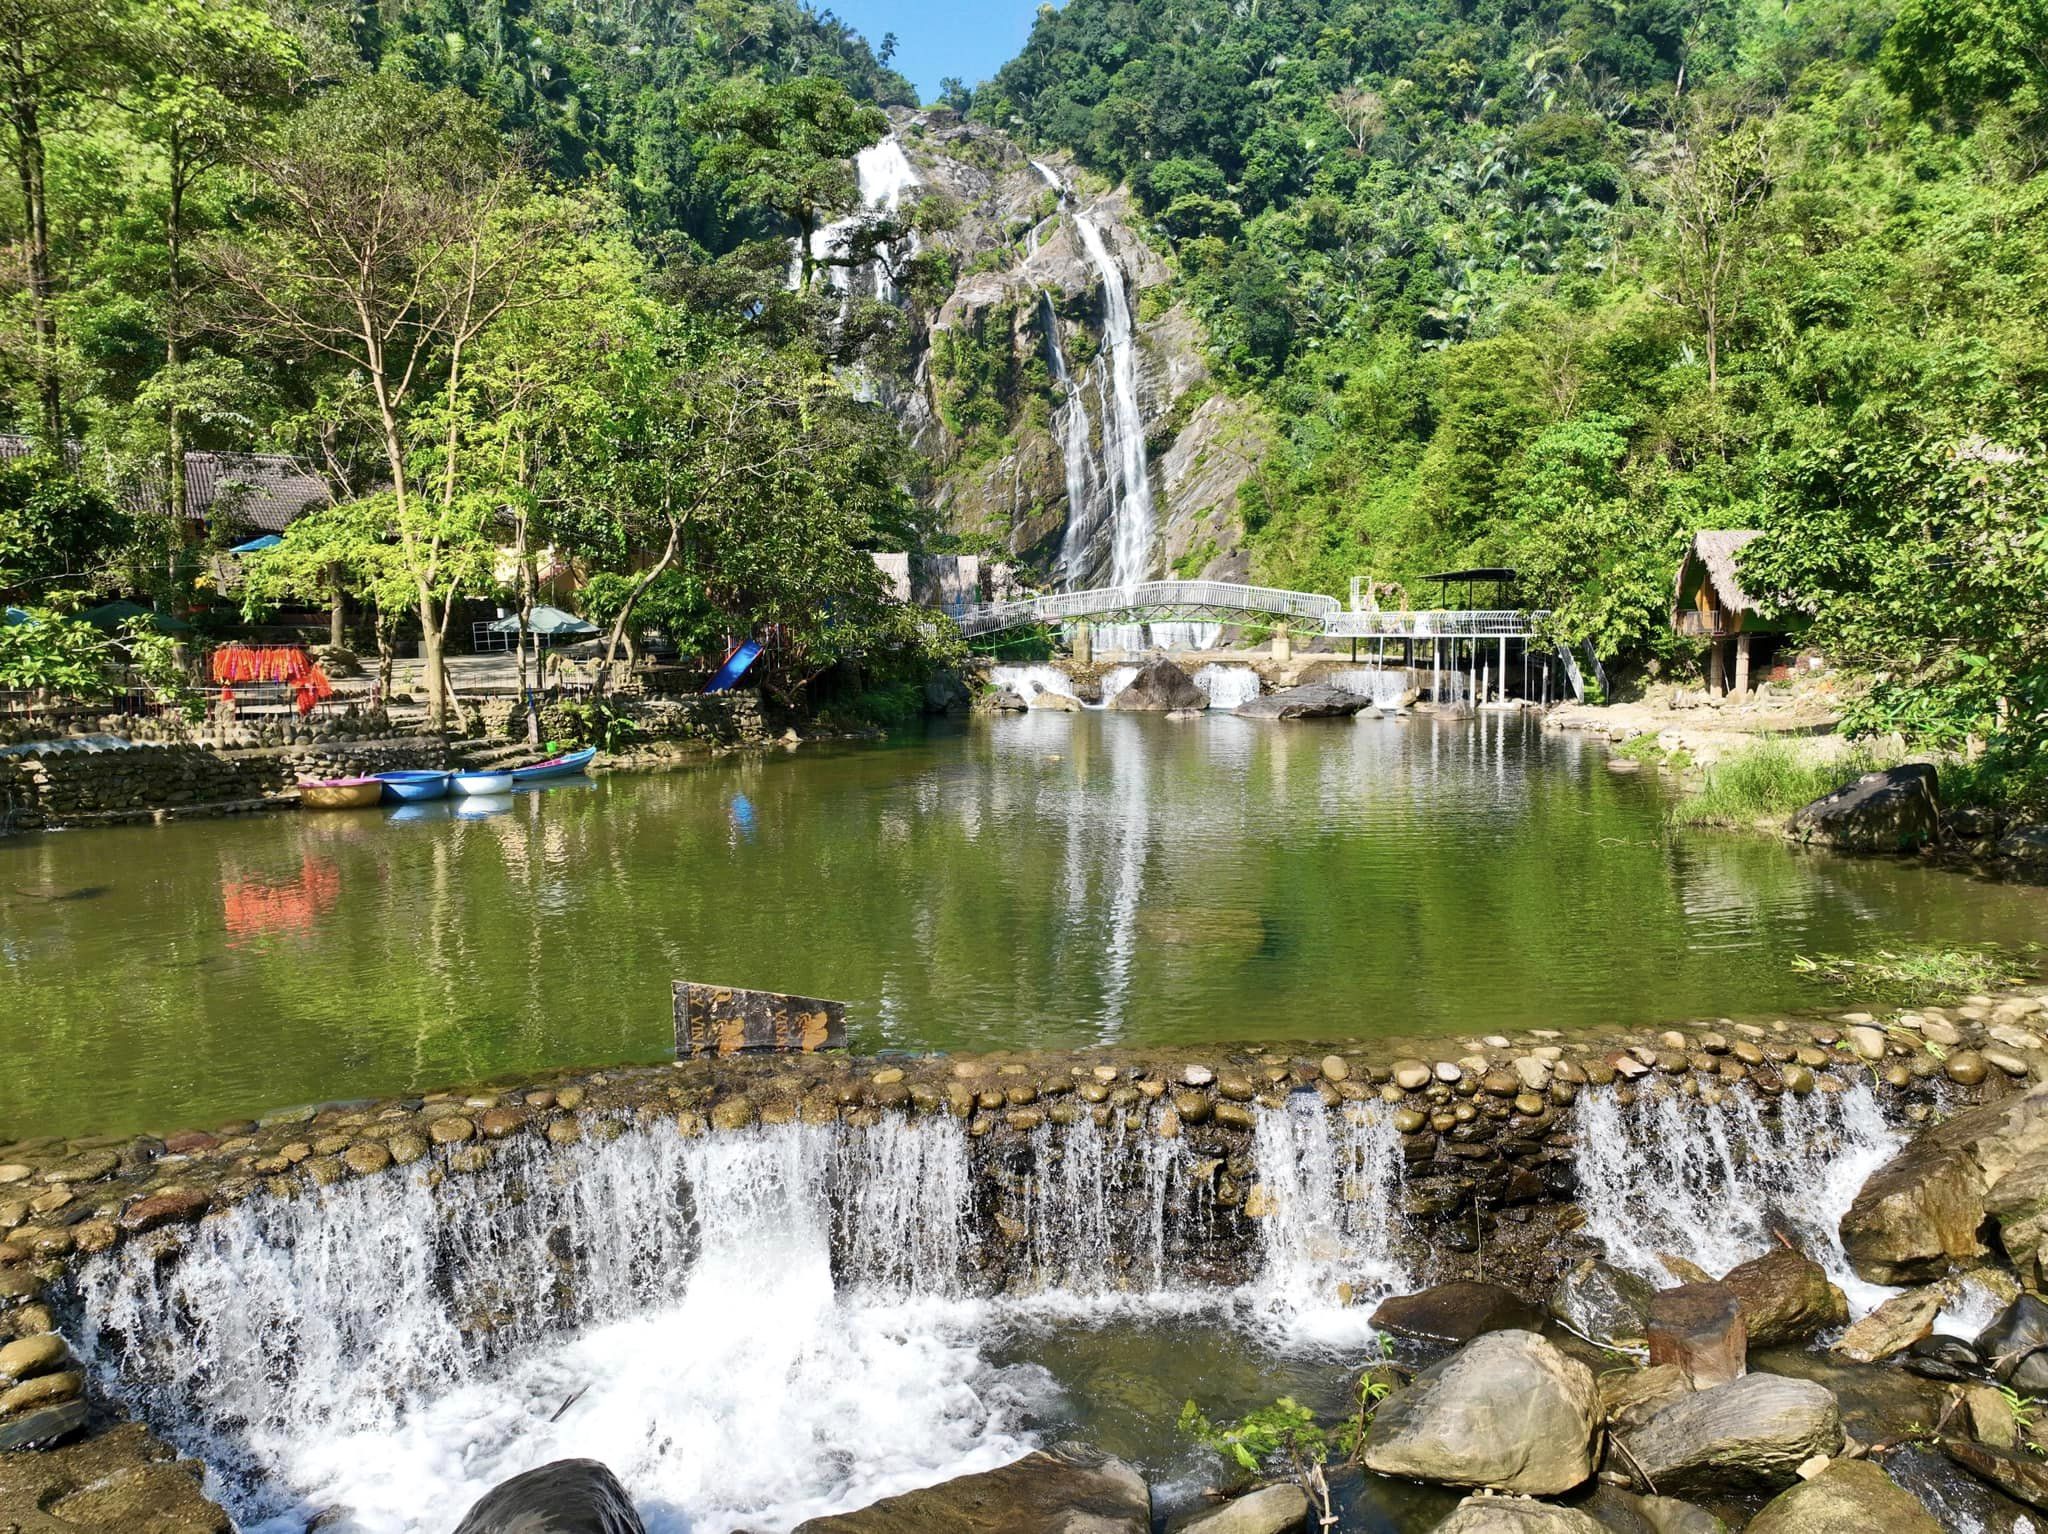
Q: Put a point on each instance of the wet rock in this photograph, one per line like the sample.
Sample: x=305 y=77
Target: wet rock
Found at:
x=1068 y=1489
x=1849 y=1495
x=1456 y=1312
x=1753 y=1432
x=43 y=1390
x=1001 y=700
x=1411 y=1075
x=1699 y=1329
x=1507 y=1411
x=1623 y=1512
x=1785 y=1297
x=1516 y=1515
x=2011 y=1342
x=1991 y=1418
x=1600 y=1301
x=1270 y=1510
x=570 y=1496
x=1313 y=700
x=1896 y=809
x=1942 y=1357
x=1894 y=1326
x=174 y=1206
x=1054 y=703
x=2021 y=1476
x=1630 y=1398
x=1923 y=1211
x=43 y=1429
x=31 y=1356
x=1160 y=687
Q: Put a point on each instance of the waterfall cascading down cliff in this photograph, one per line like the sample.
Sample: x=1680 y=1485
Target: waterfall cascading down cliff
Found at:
x=688 y=1307
x=1111 y=494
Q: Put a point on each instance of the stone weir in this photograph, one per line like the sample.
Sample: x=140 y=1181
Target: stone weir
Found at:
x=281 y=1277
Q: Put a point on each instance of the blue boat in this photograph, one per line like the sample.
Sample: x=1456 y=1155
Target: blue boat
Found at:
x=415 y=787
x=566 y=765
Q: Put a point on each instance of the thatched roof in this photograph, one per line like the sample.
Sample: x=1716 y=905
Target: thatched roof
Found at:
x=265 y=492
x=1716 y=550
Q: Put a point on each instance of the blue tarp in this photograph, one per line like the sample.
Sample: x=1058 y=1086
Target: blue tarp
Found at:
x=257 y=545
x=13 y=615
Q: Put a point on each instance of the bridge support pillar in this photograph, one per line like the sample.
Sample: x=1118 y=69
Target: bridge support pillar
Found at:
x=1084 y=644
x=1283 y=644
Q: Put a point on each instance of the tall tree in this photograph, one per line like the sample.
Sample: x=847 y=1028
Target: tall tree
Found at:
x=396 y=233
x=1717 y=182
x=208 y=76
x=788 y=147
x=52 y=54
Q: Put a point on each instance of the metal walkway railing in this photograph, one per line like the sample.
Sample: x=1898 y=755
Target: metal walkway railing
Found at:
x=1148 y=600
x=1225 y=601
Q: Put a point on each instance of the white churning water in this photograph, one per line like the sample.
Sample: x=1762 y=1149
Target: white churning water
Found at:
x=759 y=1327
x=1228 y=686
x=1673 y=1175
x=751 y=1329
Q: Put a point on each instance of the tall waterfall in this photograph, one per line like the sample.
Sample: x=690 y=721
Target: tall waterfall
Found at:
x=884 y=175
x=1071 y=426
x=1124 y=430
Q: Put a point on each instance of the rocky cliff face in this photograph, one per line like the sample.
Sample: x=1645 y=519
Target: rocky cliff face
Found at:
x=1061 y=390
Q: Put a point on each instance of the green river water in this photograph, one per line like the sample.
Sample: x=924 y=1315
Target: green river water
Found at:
x=1046 y=880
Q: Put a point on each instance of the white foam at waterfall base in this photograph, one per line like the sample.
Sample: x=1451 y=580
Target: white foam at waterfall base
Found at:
x=1027 y=682
x=1332 y=1183
x=1671 y=1175
x=1385 y=688
x=317 y=1352
x=1228 y=686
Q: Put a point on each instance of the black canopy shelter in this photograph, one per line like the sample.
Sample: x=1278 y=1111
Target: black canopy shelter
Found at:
x=1502 y=580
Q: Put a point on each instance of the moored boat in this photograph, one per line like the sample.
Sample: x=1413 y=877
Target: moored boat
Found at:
x=339 y=793
x=566 y=765
x=479 y=785
x=415 y=787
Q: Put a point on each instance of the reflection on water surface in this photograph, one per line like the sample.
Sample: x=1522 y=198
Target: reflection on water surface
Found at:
x=1048 y=880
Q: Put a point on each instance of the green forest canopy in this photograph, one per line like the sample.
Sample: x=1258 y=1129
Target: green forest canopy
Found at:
x=1555 y=285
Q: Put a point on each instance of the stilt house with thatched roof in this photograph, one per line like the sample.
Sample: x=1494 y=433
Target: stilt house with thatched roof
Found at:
x=1708 y=603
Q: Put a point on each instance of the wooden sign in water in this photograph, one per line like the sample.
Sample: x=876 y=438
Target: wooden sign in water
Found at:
x=724 y=1020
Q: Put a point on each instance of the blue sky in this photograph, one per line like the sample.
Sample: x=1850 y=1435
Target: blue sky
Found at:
x=936 y=38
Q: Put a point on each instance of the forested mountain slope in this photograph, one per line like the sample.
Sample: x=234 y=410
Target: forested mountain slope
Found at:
x=1554 y=285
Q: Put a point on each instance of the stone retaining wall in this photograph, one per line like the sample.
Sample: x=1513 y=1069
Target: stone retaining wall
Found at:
x=716 y=719
x=71 y=788
x=1486 y=1132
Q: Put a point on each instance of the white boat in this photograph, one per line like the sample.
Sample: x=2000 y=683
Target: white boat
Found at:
x=480 y=785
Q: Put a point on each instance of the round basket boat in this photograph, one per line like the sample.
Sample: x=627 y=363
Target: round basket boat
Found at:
x=339 y=793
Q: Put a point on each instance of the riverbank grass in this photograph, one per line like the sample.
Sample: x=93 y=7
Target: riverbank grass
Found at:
x=1765 y=782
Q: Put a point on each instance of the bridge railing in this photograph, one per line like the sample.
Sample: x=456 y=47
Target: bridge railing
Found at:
x=1149 y=596
x=1477 y=623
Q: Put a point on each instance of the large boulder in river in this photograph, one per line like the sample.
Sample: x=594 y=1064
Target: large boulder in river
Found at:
x=1160 y=688
x=1516 y=1515
x=1507 y=1411
x=1598 y=1300
x=570 y=1496
x=1753 y=1432
x=1895 y=810
x=1068 y=1489
x=1277 y=1509
x=1785 y=1296
x=1851 y=1496
x=1698 y=1329
x=1456 y=1312
x=1312 y=700
x=1922 y=1211
x=1002 y=700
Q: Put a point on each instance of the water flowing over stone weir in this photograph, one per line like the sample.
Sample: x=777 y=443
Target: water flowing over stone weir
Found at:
x=660 y=1278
